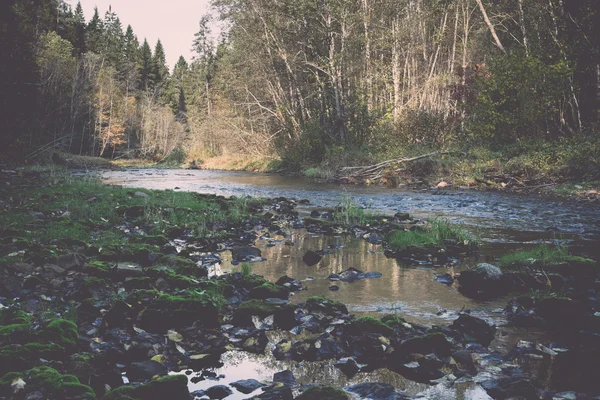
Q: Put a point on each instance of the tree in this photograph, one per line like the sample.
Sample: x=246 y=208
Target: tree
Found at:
x=95 y=33
x=145 y=65
x=160 y=71
x=79 y=22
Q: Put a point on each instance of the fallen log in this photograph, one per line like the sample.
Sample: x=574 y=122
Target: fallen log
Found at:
x=376 y=171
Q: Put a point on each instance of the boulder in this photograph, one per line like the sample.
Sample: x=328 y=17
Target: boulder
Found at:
x=144 y=370
x=482 y=281
x=372 y=390
x=71 y=261
x=474 y=329
x=247 y=385
x=311 y=258
x=286 y=377
x=348 y=366
x=218 y=392
x=245 y=253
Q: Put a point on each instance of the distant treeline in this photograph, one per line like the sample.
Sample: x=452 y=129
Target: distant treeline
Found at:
x=303 y=79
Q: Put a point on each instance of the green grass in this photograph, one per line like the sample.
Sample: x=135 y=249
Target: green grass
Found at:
x=348 y=212
x=83 y=208
x=319 y=173
x=542 y=257
x=246 y=270
x=436 y=234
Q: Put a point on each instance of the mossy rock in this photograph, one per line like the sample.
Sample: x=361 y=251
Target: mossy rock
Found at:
x=393 y=321
x=322 y=393
x=98 y=269
x=168 y=311
x=369 y=325
x=323 y=304
x=140 y=282
x=183 y=266
x=49 y=381
x=172 y=387
x=61 y=332
x=26 y=356
x=15 y=332
x=269 y=290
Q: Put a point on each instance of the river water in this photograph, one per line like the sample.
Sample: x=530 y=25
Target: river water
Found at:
x=504 y=222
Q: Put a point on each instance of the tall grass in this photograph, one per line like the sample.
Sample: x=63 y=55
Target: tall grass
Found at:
x=437 y=233
x=348 y=212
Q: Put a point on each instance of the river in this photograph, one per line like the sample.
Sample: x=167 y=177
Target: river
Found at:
x=505 y=222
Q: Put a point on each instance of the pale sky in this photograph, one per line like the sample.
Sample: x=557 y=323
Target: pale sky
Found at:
x=174 y=21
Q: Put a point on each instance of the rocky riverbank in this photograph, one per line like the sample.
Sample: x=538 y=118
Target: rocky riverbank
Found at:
x=114 y=293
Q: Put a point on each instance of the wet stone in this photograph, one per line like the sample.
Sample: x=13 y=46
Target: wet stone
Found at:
x=218 y=392
x=286 y=377
x=247 y=385
x=311 y=258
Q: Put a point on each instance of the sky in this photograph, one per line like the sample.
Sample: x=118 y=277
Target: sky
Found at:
x=174 y=21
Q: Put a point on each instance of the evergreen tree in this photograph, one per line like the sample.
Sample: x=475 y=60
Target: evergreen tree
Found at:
x=131 y=53
x=177 y=92
x=160 y=71
x=79 y=22
x=113 y=40
x=95 y=29
x=145 y=66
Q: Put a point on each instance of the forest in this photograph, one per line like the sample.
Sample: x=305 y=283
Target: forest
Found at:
x=325 y=83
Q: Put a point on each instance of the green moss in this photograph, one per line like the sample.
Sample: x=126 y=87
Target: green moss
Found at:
x=321 y=303
x=13 y=330
x=98 y=269
x=322 y=393
x=258 y=307
x=173 y=387
x=141 y=296
x=60 y=331
x=95 y=282
x=269 y=290
x=393 y=321
x=52 y=383
x=86 y=358
x=371 y=325
x=121 y=393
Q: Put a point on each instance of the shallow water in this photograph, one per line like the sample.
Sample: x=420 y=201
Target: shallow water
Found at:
x=504 y=222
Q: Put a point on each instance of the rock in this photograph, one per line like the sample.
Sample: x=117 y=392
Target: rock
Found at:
x=311 y=258
x=334 y=288
x=436 y=343
x=286 y=377
x=70 y=261
x=141 y=194
x=279 y=393
x=53 y=269
x=372 y=390
x=129 y=270
x=315 y=214
x=374 y=238
x=442 y=184
x=464 y=358
x=293 y=285
x=476 y=328
x=446 y=279
x=117 y=315
x=483 y=280
x=247 y=385
x=245 y=253
x=218 y=392
x=21 y=268
x=402 y=216
x=511 y=387
x=143 y=370
x=348 y=366
x=350 y=275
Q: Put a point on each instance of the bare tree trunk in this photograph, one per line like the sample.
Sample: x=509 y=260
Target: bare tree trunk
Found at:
x=396 y=71
x=368 y=72
x=523 y=29
x=490 y=26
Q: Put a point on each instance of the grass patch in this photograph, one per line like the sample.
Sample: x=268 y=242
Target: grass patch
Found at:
x=348 y=212
x=319 y=173
x=438 y=233
x=542 y=257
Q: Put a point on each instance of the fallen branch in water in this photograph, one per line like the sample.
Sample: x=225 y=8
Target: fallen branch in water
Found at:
x=376 y=171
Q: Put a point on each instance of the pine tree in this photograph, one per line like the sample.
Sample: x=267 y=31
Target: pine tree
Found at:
x=95 y=29
x=145 y=66
x=79 y=22
x=131 y=53
x=177 y=92
x=113 y=40
x=160 y=71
